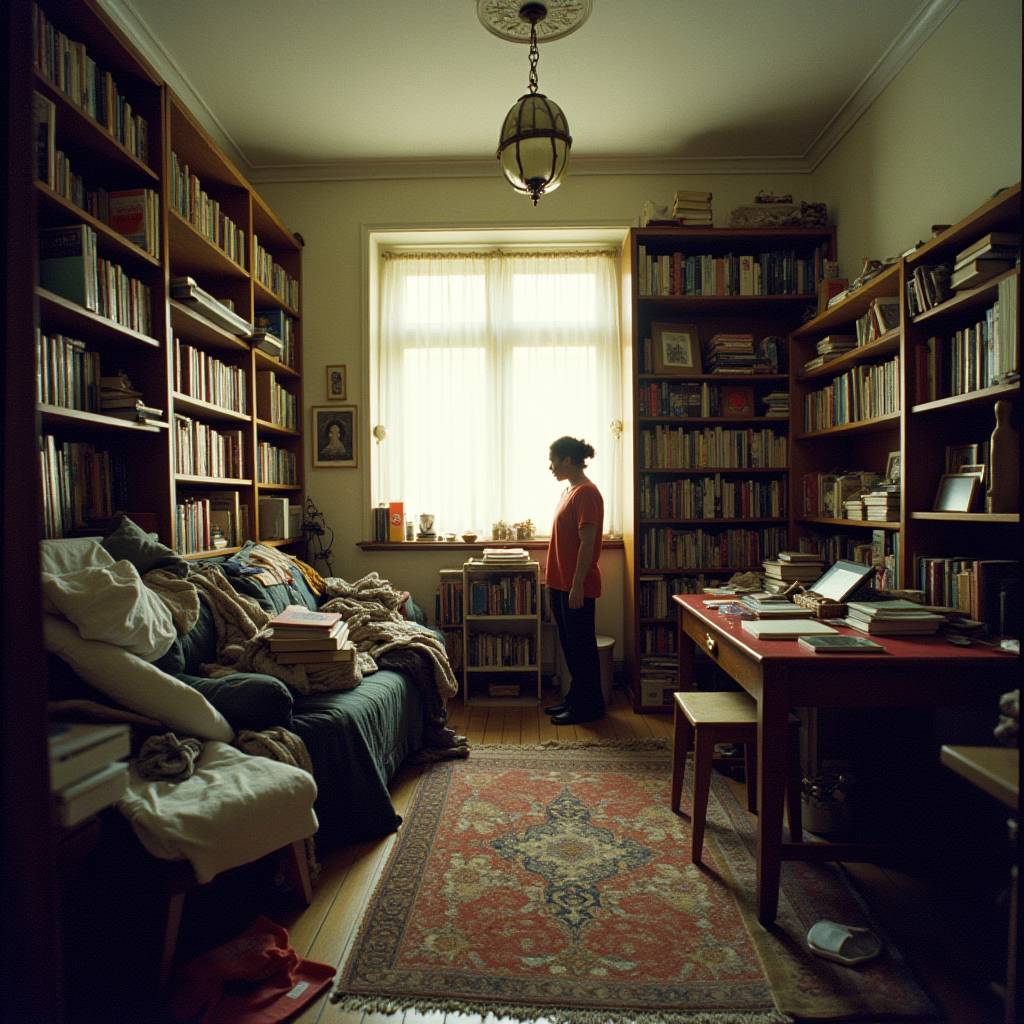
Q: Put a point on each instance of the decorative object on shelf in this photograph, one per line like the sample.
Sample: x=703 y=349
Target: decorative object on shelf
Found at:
x=335 y=436
x=960 y=455
x=426 y=527
x=502 y=531
x=314 y=526
x=892 y=468
x=1004 y=462
x=778 y=212
x=525 y=530
x=736 y=401
x=871 y=269
x=337 y=387
x=676 y=349
x=956 y=492
x=469 y=537
x=534 y=143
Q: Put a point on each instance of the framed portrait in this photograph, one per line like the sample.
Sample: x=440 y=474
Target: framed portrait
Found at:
x=956 y=492
x=335 y=436
x=337 y=384
x=892 y=468
x=980 y=471
x=676 y=349
x=960 y=455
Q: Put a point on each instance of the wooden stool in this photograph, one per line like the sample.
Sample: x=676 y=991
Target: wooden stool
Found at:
x=726 y=717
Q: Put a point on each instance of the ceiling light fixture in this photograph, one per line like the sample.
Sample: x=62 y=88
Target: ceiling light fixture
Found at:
x=534 y=143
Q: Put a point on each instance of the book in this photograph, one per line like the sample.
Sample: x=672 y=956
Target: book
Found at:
x=785 y=629
x=332 y=642
x=840 y=644
x=312 y=623
x=135 y=213
x=993 y=240
x=346 y=652
x=978 y=272
x=792 y=570
x=82 y=799
x=894 y=627
x=896 y=609
x=78 y=749
x=186 y=291
x=67 y=264
x=800 y=556
x=267 y=342
x=44 y=121
x=777 y=610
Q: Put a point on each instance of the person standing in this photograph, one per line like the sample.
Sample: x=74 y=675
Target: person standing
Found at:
x=573 y=580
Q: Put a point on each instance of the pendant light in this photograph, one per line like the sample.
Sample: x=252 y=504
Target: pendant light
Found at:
x=534 y=143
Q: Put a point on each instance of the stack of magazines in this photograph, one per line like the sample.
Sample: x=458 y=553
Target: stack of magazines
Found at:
x=505 y=555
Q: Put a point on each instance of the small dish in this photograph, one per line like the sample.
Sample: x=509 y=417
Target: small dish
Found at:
x=469 y=537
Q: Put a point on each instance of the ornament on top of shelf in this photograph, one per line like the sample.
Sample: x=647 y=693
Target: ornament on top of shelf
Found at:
x=771 y=211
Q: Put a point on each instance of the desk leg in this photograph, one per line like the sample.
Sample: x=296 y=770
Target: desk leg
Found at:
x=773 y=748
x=685 y=647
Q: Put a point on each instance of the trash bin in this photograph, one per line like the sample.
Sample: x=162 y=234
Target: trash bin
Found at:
x=605 y=650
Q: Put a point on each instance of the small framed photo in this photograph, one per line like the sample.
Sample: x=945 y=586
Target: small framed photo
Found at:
x=956 y=492
x=676 y=349
x=960 y=455
x=980 y=471
x=335 y=436
x=734 y=400
x=892 y=468
x=842 y=580
x=337 y=384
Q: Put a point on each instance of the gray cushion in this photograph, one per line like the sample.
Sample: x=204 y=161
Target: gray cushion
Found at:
x=129 y=541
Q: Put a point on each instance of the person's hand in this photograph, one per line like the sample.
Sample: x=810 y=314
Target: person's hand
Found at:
x=576 y=597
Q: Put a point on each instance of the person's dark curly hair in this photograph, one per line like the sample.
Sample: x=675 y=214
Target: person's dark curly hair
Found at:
x=576 y=449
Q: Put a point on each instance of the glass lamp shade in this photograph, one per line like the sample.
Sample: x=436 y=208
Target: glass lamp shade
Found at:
x=534 y=145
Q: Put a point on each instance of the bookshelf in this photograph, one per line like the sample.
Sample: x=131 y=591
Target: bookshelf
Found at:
x=708 y=469
x=501 y=633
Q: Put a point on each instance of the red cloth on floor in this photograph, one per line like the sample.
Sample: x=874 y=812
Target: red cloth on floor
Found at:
x=256 y=978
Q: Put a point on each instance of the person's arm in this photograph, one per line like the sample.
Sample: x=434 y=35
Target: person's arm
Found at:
x=588 y=535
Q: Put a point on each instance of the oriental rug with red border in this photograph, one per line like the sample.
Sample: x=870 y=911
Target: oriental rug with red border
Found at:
x=555 y=882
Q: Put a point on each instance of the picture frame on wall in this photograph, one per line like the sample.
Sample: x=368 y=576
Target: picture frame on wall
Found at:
x=956 y=492
x=676 y=350
x=337 y=384
x=336 y=436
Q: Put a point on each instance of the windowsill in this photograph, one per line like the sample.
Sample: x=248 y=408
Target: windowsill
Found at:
x=477 y=545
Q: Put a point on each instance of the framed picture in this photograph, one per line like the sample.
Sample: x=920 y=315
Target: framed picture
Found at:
x=337 y=384
x=892 y=468
x=956 y=492
x=735 y=400
x=676 y=349
x=960 y=455
x=335 y=436
x=980 y=471
x=842 y=580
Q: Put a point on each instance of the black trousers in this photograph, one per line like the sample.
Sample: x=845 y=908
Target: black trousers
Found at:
x=578 y=636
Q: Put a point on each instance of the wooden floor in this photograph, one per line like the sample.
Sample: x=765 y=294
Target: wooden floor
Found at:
x=918 y=911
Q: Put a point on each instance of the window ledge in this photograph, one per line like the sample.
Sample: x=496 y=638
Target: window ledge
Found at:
x=478 y=545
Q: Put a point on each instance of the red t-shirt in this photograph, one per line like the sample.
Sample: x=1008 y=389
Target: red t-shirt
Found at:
x=577 y=506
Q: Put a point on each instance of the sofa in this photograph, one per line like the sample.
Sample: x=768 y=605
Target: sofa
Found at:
x=356 y=738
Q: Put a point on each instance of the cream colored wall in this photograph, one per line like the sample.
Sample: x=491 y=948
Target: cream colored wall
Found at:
x=332 y=216
x=937 y=143
x=943 y=136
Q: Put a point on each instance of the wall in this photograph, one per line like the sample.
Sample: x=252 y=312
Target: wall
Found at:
x=942 y=137
x=937 y=143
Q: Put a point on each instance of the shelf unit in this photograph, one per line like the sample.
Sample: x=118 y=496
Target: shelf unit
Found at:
x=652 y=482
x=501 y=646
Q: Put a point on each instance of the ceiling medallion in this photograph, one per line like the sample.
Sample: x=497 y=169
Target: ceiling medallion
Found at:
x=503 y=18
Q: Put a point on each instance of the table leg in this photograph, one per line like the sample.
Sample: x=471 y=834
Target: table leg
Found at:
x=772 y=750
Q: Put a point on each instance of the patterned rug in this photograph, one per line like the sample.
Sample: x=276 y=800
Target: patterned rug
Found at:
x=555 y=882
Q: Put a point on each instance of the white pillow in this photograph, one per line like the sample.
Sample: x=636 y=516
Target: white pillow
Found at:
x=71 y=553
x=111 y=603
x=136 y=684
x=232 y=810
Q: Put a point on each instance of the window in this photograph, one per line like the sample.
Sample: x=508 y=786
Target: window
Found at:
x=485 y=359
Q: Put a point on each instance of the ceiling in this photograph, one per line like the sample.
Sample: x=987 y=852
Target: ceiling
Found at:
x=308 y=89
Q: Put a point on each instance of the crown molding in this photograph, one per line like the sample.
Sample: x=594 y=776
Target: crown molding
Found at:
x=930 y=15
x=928 y=18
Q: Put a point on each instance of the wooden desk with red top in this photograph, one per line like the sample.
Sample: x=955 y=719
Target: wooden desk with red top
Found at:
x=915 y=671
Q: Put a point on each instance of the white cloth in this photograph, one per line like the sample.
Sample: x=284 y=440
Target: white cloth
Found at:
x=70 y=553
x=232 y=810
x=138 y=685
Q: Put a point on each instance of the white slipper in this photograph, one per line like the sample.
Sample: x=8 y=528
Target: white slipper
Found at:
x=843 y=943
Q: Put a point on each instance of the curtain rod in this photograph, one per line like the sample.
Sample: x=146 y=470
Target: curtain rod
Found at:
x=390 y=254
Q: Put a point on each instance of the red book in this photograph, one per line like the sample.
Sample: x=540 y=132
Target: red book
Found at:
x=677 y=274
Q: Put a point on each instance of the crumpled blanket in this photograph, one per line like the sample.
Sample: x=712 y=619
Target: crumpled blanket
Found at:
x=179 y=595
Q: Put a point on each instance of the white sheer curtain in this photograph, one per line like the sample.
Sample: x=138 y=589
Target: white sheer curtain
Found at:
x=485 y=359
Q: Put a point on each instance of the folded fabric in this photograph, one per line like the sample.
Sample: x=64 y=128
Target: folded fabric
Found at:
x=112 y=604
x=280 y=982
x=67 y=554
x=842 y=943
x=232 y=810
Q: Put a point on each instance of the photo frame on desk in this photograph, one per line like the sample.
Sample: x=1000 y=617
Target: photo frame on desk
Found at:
x=956 y=492
x=676 y=350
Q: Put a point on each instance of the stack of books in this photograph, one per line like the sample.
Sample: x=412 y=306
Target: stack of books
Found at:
x=893 y=618
x=731 y=353
x=302 y=636
x=86 y=770
x=882 y=503
x=503 y=556
x=692 y=207
x=853 y=508
x=773 y=606
x=996 y=253
x=119 y=398
x=794 y=566
x=778 y=405
x=832 y=346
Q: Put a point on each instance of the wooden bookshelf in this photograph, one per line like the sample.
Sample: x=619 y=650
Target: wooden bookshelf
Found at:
x=647 y=634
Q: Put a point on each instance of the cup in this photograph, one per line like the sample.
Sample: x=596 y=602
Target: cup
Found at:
x=426 y=522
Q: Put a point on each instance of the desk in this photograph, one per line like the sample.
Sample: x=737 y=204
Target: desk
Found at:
x=915 y=671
